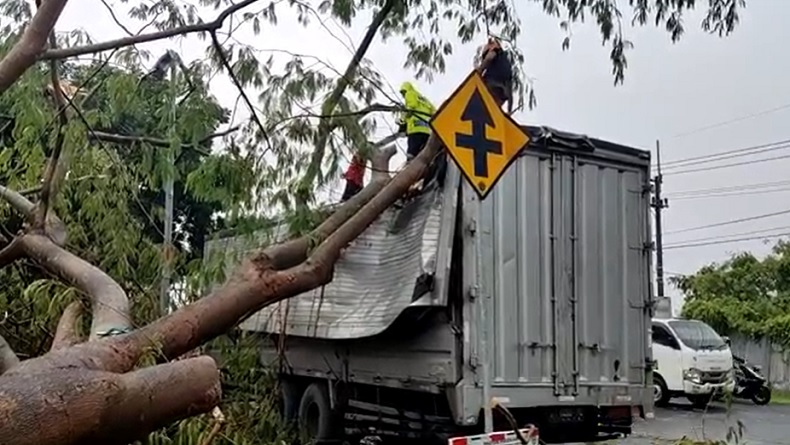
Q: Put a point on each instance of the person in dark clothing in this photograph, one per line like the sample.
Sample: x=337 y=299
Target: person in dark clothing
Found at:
x=354 y=177
x=497 y=71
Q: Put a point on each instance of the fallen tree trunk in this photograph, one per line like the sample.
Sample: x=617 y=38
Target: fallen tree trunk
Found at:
x=89 y=393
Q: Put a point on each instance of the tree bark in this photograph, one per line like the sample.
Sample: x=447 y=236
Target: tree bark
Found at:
x=79 y=406
x=110 y=305
x=25 y=52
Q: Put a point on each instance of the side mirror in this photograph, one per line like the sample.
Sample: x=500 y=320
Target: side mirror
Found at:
x=726 y=340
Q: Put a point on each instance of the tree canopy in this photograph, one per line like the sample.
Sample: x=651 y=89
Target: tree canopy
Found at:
x=87 y=134
x=744 y=295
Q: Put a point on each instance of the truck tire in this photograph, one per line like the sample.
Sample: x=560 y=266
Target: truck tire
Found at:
x=317 y=421
x=660 y=391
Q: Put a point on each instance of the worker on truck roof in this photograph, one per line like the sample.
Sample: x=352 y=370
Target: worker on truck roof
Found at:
x=414 y=120
x=497 y=71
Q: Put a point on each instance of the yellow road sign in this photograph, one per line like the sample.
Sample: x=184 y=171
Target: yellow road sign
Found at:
x=482 y=140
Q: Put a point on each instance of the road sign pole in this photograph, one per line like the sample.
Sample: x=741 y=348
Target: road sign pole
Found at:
x=482 y=141
x=482 y=303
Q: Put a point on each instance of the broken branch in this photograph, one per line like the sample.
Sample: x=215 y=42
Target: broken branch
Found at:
x=129 y=41
x=26 y=51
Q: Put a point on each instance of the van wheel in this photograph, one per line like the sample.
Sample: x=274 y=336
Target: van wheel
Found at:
x=317 y=420
x=660 y=391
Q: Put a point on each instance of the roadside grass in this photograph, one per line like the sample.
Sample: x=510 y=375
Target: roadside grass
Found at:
x=780 y=397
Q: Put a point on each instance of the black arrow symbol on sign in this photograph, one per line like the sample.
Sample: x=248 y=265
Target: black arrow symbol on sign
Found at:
x=477 y=113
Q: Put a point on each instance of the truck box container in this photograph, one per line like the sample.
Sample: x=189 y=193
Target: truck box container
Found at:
x=547 y=281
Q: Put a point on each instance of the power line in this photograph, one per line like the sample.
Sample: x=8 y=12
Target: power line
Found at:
x=735 y=164
x=736 y=240
x=729 y=154
x=729 y=222
x=719 y=237
x=732 y=188
x=732 y=121
x=724 y=195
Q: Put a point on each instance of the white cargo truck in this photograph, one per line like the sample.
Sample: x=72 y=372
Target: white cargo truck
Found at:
x=690 y=360
x=538 y=298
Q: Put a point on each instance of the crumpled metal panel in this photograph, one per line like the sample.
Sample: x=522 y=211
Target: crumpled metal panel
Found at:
x=374 y=280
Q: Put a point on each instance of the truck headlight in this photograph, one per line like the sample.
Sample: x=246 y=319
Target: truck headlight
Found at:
x=731 y=375
x=692 y=375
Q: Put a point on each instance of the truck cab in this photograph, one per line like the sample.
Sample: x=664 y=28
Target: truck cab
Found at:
x=689 y=360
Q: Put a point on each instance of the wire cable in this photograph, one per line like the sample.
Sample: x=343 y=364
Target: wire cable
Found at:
x=724 y=195
x=734 y=164
x=736 y=153
x=732 y=121
x=730 y=235
x=729 y=222
x=730 y=188
x=736 y=240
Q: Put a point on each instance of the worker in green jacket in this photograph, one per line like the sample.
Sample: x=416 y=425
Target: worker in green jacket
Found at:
x=414 y=121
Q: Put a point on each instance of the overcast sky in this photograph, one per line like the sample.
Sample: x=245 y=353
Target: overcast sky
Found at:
x=682 y=94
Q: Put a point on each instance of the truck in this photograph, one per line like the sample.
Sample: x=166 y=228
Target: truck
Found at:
x=691 y=360
x=537 y=298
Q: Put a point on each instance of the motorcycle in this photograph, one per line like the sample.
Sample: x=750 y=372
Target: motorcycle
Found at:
x=750 y=383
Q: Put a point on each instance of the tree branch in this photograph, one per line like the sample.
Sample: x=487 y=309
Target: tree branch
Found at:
x=26 y=51
x=110 y=305
x=124 y=139
x=8 y=358
x=224 y=59
x=325 y=125
x=67 y=333
x=49 y=184
x=54 y=227
x=129 y=41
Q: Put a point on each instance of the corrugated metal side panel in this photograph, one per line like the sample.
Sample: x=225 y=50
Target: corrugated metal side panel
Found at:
x=563 y=242
x=374 y=281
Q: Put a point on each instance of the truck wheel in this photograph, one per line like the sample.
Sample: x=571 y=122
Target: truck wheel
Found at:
x=660 y=391
x=317 y=421
x=762 y=396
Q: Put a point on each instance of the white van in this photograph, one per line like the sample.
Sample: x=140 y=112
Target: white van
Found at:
x=690 y=360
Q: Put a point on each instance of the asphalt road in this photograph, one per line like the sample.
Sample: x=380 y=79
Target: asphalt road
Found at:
x=763 y=425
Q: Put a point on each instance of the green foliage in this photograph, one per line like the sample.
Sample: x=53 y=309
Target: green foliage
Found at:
x=743 y=295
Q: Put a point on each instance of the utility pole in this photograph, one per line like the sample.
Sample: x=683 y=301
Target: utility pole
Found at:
x=167 y=248
x=658 y=203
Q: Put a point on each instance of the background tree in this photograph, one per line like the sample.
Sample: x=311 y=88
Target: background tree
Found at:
x=743 y=295
x=88 y=234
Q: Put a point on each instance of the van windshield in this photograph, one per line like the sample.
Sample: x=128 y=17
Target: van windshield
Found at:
x=697 y=335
